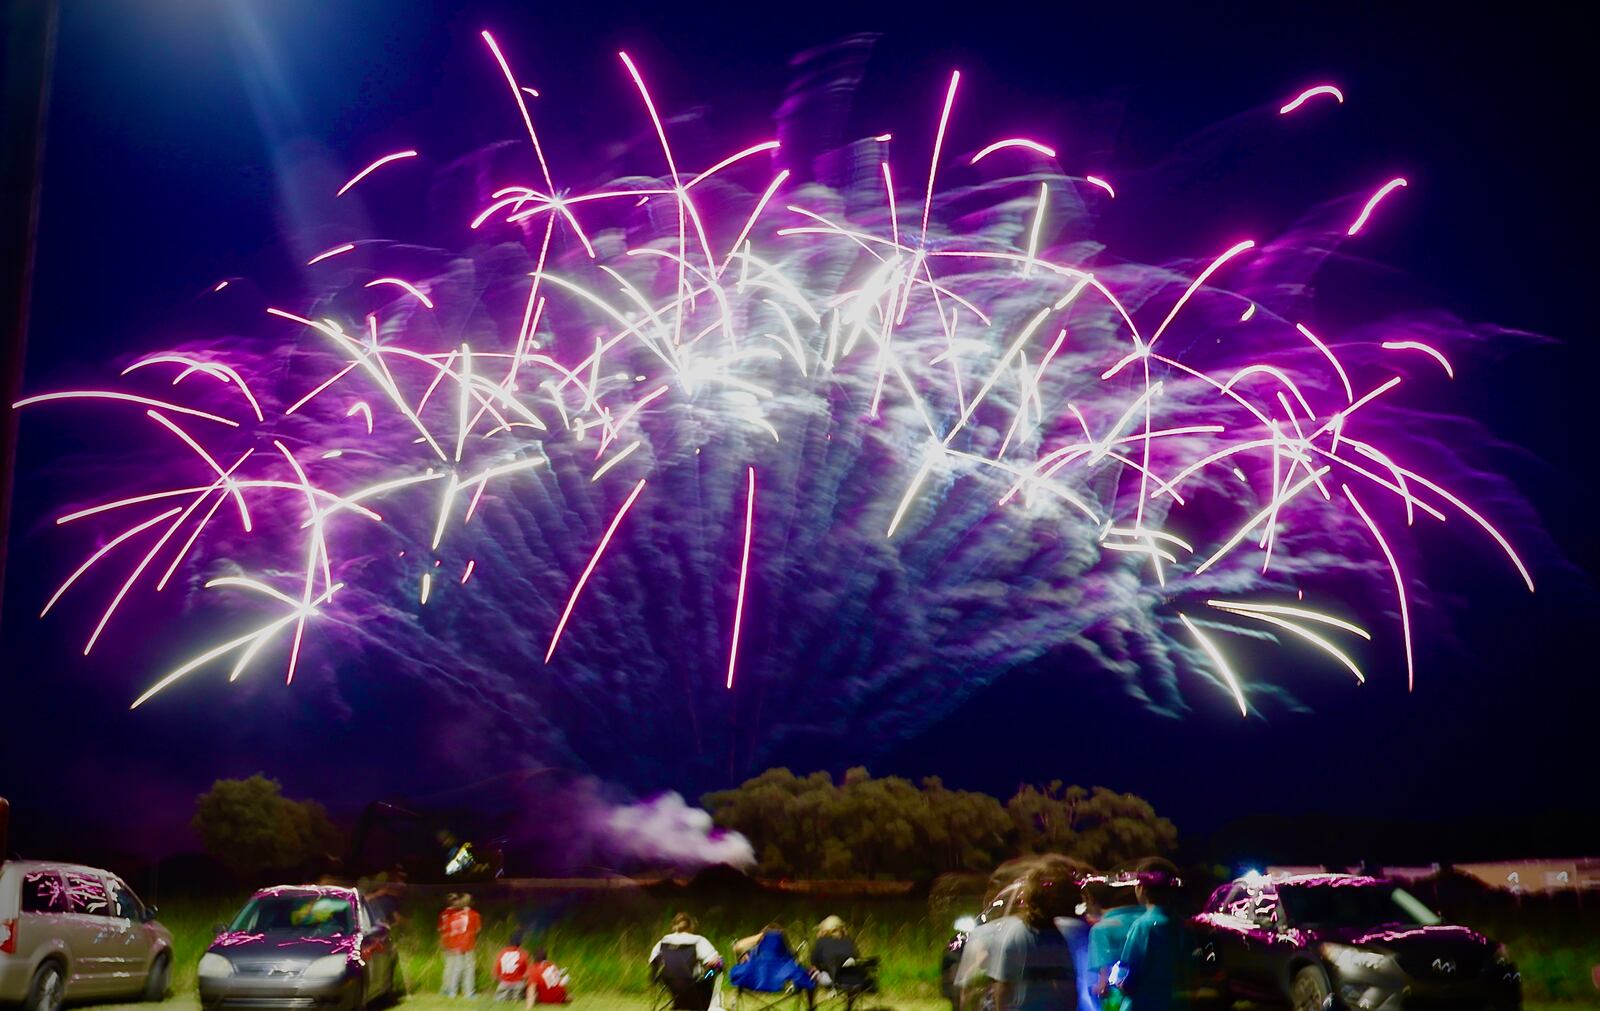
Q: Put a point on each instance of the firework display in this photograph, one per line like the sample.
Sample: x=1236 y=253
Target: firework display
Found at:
x=863 y=438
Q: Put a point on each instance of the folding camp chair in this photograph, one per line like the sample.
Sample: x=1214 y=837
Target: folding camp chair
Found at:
x=682 y=983
x=770 y=977
x=847 y=983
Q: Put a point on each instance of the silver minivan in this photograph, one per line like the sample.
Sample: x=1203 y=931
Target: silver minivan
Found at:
x=69 y=932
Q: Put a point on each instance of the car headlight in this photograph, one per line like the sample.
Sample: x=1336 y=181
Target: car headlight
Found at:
x=1346 y=958
x=214 y=966
x=327 y=967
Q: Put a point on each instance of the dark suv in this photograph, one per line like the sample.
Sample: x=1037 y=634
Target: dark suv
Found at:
x=1347 y=941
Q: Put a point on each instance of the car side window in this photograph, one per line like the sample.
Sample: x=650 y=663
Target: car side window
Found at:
x=124 y=903
x=86 y=894
x=366 y=918
x=43 y=892
x=1266 y=912
x=1237 y=902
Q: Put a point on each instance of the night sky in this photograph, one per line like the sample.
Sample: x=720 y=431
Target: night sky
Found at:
x=167 y=123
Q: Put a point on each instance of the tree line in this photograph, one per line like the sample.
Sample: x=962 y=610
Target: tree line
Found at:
x=891 y=828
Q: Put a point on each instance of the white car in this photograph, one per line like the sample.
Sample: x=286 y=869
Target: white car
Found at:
x=69 y=932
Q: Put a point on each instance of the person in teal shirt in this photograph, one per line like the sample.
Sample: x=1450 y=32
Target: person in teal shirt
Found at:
x=1107 y=936
x=1148 y=969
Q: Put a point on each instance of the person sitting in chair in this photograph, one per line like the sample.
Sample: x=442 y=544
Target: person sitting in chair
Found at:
x=832 y=951
x=767 y=964
x=686 y=964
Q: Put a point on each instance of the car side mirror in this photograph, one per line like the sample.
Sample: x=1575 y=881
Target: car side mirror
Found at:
x=150 y=913
x=217 y=928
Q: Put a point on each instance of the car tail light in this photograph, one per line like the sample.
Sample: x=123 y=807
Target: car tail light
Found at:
x=8 y=936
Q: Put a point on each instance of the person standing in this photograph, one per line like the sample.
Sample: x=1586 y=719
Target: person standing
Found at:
x=458 y=937
x=1149 y=967
x=1033 y=965
x=1114 y=907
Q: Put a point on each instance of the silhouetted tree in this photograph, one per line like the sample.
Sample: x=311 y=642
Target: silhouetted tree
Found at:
x=810 y=826
x=250 y=826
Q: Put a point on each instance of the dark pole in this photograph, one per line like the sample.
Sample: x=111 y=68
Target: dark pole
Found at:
x=29 y=50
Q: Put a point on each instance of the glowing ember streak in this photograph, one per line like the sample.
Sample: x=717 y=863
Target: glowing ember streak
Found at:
x=744 y=572
x=130 y=398
x=386 y=159
x=1304 y=633
x=1103 y=184
x=472 y=563
x=1248 y=313
x=1426 y=349
x=1023 y=142
x=1033 y=233
x=587 y=569
x=427 y=587
x=360 y=407
x=768 y=145
x=220 y=285
x=327 y=253
x=938 y=145
x=101 y=553
x=1399 y=584
x=410 y=288
x=621 y=456
x=1310 y=93
x=227 y=481
x=1366 y=212
x=1195 y=286
x=1295 y=612
x=883 y=138
x=1344 y=380
x=1218 y=662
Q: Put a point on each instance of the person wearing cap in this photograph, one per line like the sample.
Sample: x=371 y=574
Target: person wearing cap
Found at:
x=458 y=937
x=1147 y=972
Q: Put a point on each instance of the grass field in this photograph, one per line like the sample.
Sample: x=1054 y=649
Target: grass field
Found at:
x=603 y=940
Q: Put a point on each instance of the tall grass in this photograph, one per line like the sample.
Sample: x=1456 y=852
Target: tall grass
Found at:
x=604 y=940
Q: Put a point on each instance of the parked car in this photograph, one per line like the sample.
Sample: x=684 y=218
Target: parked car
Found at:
x=1347 y=941
x=69 y=932
x=301 y=946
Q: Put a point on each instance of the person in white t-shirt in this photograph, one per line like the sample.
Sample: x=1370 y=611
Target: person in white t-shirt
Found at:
x=696 y=992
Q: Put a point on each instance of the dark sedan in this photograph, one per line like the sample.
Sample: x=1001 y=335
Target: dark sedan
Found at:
x=307 y=946
x=1347 y=941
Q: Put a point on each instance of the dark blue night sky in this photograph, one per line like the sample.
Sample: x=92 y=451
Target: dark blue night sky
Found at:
x=170 y=121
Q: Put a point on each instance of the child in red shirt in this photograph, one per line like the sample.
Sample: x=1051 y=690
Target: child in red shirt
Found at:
x=458 y=936
x=547 y=982
x=511 y=970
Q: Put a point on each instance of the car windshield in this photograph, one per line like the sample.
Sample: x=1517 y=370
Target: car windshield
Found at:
x=305 y=914
x=1373 y=905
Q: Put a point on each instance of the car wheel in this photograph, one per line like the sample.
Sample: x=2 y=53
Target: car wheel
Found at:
x=159 y=982
x=1310 y=990
x=45 y=992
